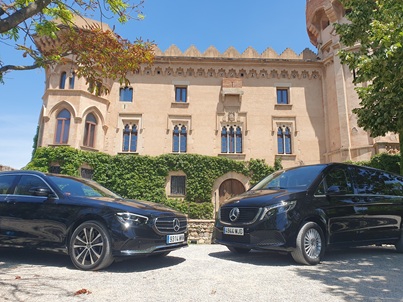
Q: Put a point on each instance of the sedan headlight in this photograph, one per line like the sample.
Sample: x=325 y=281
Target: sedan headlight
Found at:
x=128 y=219
x=280 y=207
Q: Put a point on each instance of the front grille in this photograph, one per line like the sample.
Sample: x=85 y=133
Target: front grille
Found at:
x=166 y=225
x=246 y=215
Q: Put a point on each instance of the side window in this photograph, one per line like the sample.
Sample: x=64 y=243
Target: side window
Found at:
x=396 y=185
x=6 y=181
x=378 y=182
x=371 y=182
x=27 y=184
x=338 y=181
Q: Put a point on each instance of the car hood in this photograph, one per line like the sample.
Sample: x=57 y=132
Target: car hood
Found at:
x=131 y=205
x=261 y=198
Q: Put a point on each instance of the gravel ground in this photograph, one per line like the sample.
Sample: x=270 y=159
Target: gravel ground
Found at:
x=206 y=273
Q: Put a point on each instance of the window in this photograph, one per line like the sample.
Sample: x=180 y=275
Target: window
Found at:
x=339 y=181
x=284 y=140
x=178 y=185
x=179 y=139
x=231 y=139
x=180 y=94
x=130 y=134
x=6 y=181
x=72 y=79
x=62 y=127
x=126 y=94
x=63 y=77
x=55 y=169
x=87 y=173
x=27 y=184
x=89 y=131
x=282 y=96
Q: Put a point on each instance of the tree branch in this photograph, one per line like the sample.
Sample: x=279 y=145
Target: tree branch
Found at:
x=6 y=68
x=23 y=14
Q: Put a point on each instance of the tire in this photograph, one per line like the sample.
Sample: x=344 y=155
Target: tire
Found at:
x=399 y=243
x=238 y=250
x=90 y=246
x=310 y=244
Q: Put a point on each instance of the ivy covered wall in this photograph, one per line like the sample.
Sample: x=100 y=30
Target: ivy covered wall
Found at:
x=145 y=177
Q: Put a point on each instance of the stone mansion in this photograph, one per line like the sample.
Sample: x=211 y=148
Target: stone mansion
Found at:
x=296 y=107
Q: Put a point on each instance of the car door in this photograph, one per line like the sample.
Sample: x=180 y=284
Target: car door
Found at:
x=334 y=197
x=377 y=206
x=19 y=217
x=6 y=184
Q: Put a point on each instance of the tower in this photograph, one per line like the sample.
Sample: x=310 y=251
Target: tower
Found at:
x=345 y=140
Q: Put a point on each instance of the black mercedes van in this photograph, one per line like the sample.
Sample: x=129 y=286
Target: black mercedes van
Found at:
x=306 y=209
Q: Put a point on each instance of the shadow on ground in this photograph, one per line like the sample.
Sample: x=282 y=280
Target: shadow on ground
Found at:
x=12 y=258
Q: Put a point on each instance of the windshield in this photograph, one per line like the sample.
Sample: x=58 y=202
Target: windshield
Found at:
x=298 y=178
x=81 y=187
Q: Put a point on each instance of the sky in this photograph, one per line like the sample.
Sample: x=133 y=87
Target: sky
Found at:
x=260 y=24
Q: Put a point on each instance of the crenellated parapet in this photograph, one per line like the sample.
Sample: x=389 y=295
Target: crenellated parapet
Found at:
x=232 y=53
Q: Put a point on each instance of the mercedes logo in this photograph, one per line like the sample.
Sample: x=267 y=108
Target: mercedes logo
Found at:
x=234 y=214
x=176 y=224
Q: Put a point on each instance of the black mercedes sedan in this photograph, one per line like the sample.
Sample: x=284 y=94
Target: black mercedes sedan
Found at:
x=84 y=220
x=306 y=209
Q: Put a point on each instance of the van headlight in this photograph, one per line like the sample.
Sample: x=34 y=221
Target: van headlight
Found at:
x=129 y=219
x=280 y=207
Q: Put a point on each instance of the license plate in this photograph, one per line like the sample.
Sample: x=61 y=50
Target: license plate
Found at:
x=175 y=238
x=233 y=231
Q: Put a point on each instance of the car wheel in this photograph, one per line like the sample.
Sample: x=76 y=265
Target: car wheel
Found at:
x=399 y=244
x=90 y=246
x=238 y=250
x=310 y=244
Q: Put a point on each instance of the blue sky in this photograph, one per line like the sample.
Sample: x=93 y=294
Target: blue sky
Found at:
x=220 y=23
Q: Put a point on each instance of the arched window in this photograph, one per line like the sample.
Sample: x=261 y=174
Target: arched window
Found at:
x=62 y=83
x=179 y=139
x=284 y=140
x=224 y=142
x=126 y=94
x=72 y=79
x=89 y=131
x=62 y=127
x=231 y=139
x=238 y=140
x=130 y=138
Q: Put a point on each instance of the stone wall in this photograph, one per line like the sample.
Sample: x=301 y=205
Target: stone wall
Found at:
x=200 y=231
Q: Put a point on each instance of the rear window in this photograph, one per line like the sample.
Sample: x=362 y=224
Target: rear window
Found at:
x=6 y=182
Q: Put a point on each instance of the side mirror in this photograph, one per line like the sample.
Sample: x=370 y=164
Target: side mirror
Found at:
x=41 y=191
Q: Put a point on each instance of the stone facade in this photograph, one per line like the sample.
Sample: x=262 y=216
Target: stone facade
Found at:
x=296 y=107
x=200 y=231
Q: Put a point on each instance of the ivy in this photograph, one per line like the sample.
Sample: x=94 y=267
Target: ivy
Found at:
x=144 y=177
